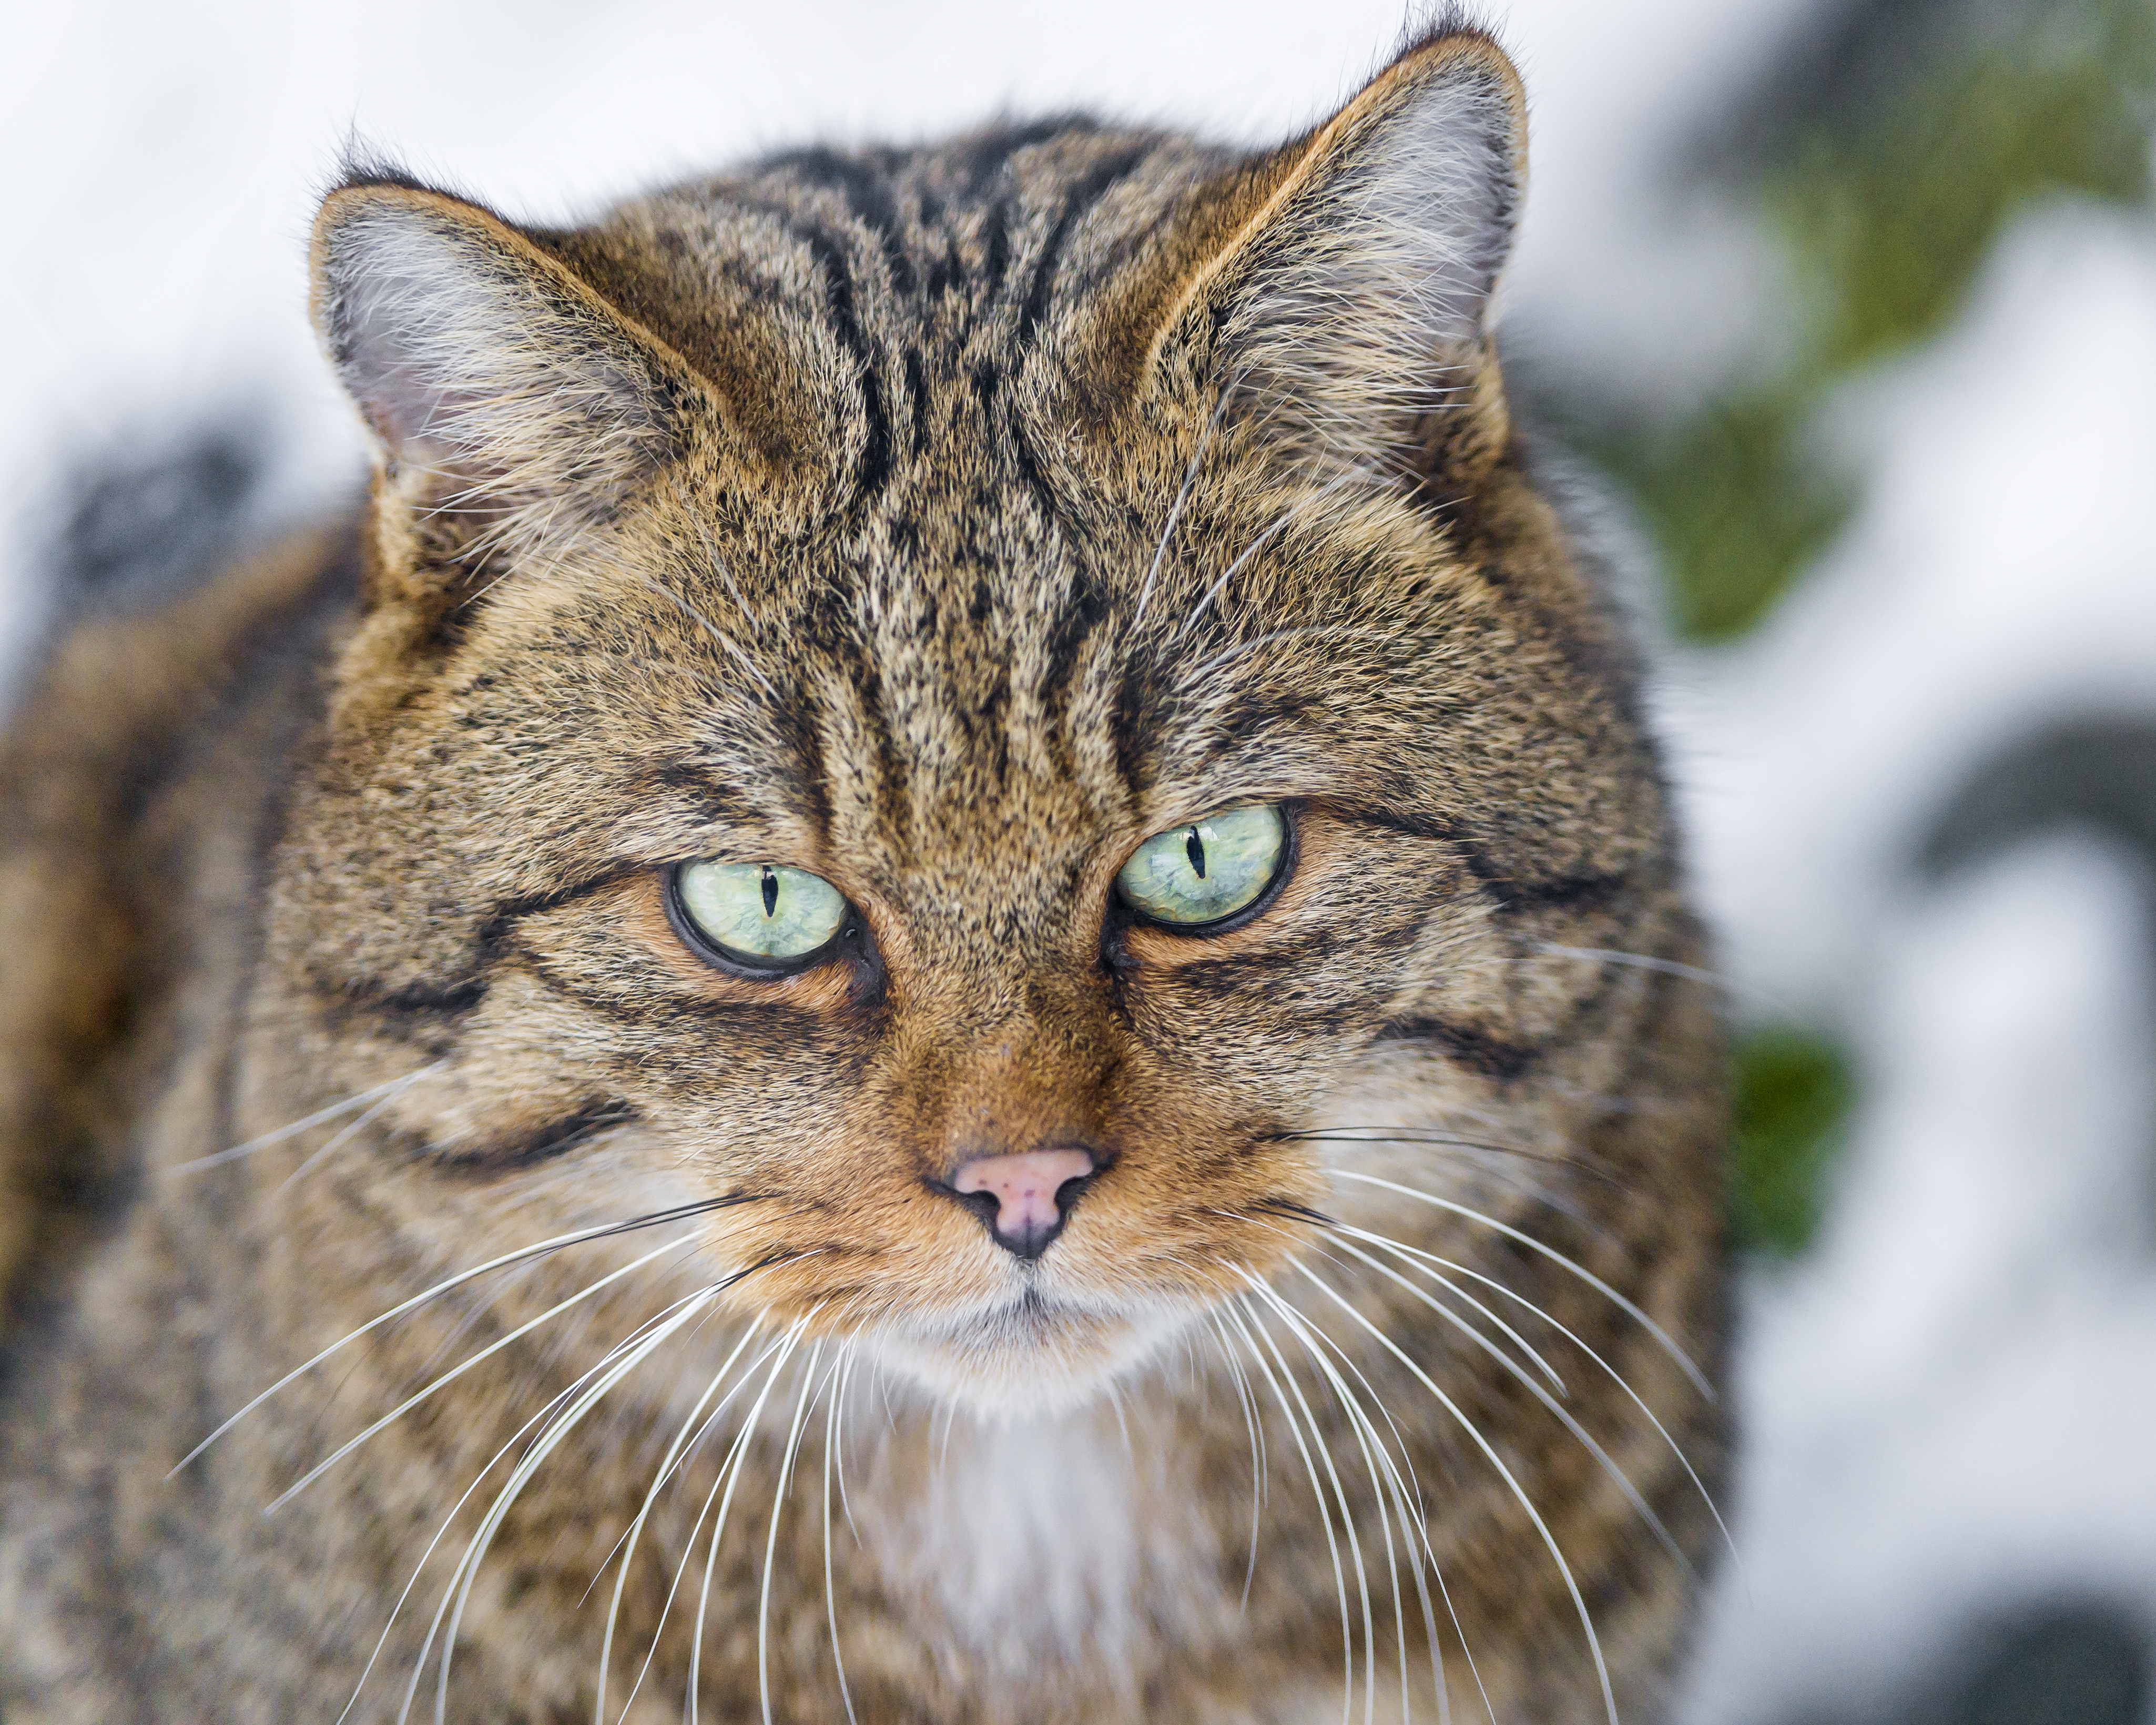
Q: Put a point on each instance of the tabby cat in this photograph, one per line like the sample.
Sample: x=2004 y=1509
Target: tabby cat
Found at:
x=941 y=977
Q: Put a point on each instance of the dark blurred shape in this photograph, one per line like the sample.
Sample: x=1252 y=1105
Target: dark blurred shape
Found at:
x=2097 y=774
x=1883 y=144
x=2059 y=1662
x=1794 y=1089
x=1893 y=145
x=142 y=527
x=2084 y=1663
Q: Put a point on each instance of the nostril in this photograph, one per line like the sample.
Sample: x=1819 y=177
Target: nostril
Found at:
x=1024 y=1199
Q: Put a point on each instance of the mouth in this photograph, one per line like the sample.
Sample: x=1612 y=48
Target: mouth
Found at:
x=1034 y=1352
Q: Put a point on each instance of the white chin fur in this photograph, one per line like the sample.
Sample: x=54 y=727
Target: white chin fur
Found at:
x=1026 y=1362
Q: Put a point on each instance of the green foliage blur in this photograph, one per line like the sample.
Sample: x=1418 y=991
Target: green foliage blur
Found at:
x=1794 y=1089
x=1883 y=154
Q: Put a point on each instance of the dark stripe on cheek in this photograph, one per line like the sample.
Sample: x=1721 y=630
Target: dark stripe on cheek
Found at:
x=541 y=1144
x=1477 y=1050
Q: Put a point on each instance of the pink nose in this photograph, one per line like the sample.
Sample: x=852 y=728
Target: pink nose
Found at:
x=1028 y=1192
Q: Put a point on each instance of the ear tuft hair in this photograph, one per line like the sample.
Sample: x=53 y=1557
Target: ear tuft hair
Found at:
x=1355 y=303
x=483 y=363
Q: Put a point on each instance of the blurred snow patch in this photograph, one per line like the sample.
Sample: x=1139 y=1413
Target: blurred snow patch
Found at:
x=2001 y=570
x=1947 y=1410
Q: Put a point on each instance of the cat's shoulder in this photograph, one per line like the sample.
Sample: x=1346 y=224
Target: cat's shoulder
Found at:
x=147 y=731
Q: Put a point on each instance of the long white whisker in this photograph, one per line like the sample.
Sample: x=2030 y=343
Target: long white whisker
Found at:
x=347 y=1133
x=450 y=1376
x=801 y=1406
x=730 y=1475
x=1616 y=1475
x=1410 y=1255
x=710 y=1420
x=1407 y=1495
x=1260 y=1345
x=1257 y=1453
x=628 y=1542
x=1365 y=1436
x=546 y=1412
x=845 y=1368
x=320 y=1116
x=625 y=1360
x=435 y=1292
x=1511 y=1333
x=1491 y=1454
x=1683 y=1360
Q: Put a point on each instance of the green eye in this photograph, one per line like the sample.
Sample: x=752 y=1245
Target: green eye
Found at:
x=1190 y=877
x=765 y=917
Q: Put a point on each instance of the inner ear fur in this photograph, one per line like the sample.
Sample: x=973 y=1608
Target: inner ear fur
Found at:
x=1346 y=316
x=501 y=386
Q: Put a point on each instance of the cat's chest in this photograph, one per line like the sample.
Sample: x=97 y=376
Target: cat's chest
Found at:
x=1054 y=1539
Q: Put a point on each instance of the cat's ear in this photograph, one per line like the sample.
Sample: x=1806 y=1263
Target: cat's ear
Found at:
x=490 y=372
x=1348 y=313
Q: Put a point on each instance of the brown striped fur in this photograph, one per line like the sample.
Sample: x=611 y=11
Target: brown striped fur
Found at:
x=943 y=521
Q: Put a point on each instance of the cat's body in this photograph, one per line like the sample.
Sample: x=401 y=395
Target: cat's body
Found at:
x=942 y=524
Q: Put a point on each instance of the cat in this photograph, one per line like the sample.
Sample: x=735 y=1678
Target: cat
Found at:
x=940 y=977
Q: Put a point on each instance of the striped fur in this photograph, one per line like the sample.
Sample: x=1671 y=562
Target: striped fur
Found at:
x=944 y=521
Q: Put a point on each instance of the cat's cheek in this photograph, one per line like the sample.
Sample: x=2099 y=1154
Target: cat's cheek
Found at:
x=638 y=907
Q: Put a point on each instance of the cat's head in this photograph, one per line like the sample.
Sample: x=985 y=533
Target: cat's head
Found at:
x=943 y=707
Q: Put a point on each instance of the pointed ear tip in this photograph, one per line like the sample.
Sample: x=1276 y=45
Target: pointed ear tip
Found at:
x=1453 y=48
x=384 y=202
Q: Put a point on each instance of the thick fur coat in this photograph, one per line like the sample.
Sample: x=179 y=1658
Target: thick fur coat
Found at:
x=944 y=523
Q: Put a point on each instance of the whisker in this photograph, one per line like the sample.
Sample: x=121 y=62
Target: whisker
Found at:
x=832 y=1447
x=546 y=1411
x=1409 y=1255
x=1425 y=1136
x=1364 y=1434
x=730 y=1475
x=1512 y=1484
x=319 y=1117
x=1617 y=1475
x=1414 y=1520
x=711 y=1421
x=523 y=1253
x=802 y=1404
x=625 y=1359
x=456 y=1372
x=347 y=1133
x=1261 y=1344
x=1257 y=1454
x=1668 y=967
x=1326 y=1224
x=626 y=1545
x=1677 y=1354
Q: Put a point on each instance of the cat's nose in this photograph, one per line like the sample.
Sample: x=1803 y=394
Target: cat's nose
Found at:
x=1025 y=1199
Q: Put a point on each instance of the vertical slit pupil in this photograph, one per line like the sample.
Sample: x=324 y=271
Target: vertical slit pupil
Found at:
x=1196 y=847
x=770 y=893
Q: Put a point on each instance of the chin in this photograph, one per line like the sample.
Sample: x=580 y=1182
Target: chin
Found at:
x=1030 y=1357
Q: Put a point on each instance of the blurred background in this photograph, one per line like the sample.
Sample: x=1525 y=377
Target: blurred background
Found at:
x=1848 y=307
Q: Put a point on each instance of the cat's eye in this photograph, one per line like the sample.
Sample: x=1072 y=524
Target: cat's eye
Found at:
x=1211 y=874
x=762 y=919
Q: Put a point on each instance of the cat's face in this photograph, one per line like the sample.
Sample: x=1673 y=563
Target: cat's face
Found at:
x=956 y=781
